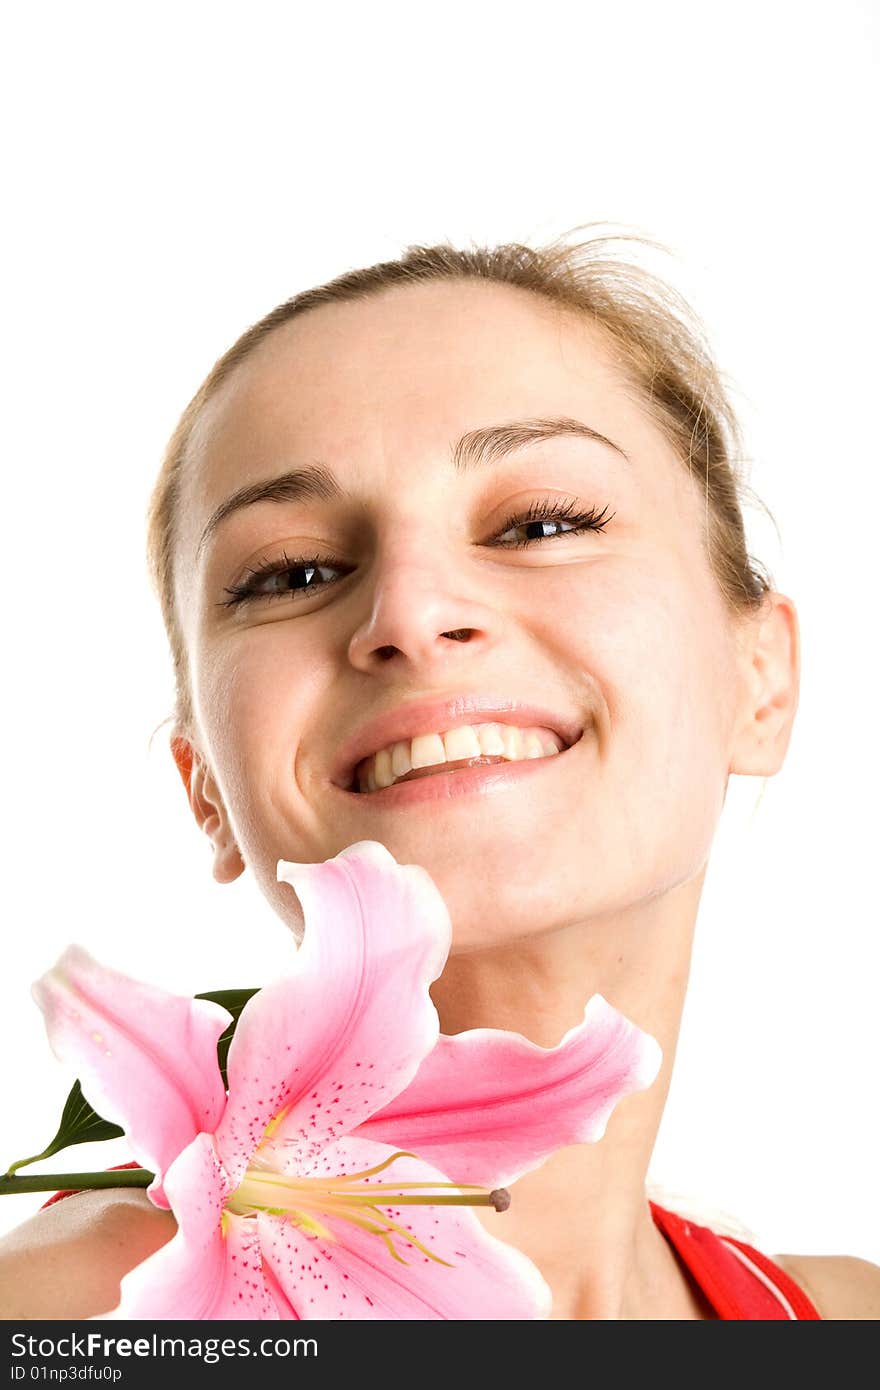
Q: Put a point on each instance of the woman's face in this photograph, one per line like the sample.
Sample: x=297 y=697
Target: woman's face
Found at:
x=620 y=631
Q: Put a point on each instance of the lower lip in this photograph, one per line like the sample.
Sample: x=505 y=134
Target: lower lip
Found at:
x=485 y=780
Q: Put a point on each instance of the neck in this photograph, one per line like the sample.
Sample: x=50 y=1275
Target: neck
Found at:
x=583 y=1216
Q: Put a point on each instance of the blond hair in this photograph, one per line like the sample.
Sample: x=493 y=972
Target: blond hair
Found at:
x=659 y=344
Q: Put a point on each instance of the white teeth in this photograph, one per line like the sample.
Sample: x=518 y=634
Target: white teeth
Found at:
x=401 y=762
x=382 y=768
x=463 y=743
x=427 y=749
x=490 y=739
x=512 y=739
x=466 y=741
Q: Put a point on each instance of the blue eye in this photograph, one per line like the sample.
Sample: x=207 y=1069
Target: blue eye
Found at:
x=538 y=516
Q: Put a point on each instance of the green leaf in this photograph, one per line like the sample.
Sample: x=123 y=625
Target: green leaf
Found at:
x=234 y=1000
x=80 y=1124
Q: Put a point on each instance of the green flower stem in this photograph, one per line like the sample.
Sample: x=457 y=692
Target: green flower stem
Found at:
x=60 y=1182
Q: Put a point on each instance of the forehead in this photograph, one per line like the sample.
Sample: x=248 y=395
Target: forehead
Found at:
x=391 y=380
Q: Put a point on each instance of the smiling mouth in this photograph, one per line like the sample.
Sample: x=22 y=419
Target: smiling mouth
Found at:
x=459 y=765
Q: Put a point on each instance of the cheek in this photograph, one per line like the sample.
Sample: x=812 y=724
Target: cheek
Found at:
x=651 y=643
x=253 y=702
x=253 y=710
x=664 y=661
x=662 y=684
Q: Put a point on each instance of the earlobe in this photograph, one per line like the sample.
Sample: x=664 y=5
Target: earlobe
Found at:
x=208 y=808
x=770 y=686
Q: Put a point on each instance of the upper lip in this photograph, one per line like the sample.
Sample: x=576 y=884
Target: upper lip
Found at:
x=436 y=716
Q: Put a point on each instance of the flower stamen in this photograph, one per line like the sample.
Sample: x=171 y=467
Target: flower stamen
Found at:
x=303 y=1200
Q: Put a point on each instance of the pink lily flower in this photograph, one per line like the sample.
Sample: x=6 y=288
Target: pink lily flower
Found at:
x=337 y=1177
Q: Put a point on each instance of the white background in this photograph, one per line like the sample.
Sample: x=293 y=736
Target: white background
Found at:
x=173 y=171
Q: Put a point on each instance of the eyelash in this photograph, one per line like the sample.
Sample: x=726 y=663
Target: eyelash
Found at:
x=539 y=511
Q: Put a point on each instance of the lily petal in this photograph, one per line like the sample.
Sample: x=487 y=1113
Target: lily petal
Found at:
x=488 y=1105
x=317 y=1052
x=357 y=1277
x=206 y=1270
x=146 y=1059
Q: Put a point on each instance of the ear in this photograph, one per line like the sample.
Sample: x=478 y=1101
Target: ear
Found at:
x=771 y=672
x=208 y=808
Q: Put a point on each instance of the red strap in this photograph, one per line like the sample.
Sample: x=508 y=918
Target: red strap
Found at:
x=801 y=1304
x=733 y=1282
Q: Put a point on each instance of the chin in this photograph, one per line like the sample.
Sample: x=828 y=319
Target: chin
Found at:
x=483 y=919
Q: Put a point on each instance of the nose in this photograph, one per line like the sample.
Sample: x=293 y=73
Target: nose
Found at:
x=416 y=614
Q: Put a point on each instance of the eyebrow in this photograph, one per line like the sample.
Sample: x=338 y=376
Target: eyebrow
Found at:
x=477 y=449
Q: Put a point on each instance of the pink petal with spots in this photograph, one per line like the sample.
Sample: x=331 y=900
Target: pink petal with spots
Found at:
x=146 y=1059
x=357 y=1277
x=488 y=1105
x=201 y=1273
x=346 y=1030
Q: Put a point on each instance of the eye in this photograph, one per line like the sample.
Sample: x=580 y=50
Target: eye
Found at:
x=283 y=568
x=540 y=514
x=312 y=567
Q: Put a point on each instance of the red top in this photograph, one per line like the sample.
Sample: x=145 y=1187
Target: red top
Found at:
x=739 y=1282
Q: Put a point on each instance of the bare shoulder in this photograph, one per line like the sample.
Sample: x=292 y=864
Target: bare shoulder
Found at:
x=67 y=1261
x=842 y=1287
